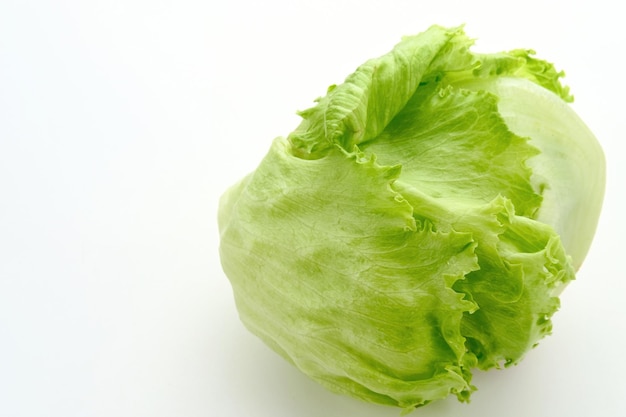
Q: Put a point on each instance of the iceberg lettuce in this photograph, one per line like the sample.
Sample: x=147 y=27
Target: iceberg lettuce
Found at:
x=419 y=224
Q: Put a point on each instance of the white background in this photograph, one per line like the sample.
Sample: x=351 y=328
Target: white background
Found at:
x=121 y=123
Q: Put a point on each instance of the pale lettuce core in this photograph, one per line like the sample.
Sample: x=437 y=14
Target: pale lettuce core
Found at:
x=419 y=224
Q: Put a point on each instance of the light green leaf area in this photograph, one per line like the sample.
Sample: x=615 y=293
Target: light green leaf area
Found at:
x=343 y=282
x=453 y=144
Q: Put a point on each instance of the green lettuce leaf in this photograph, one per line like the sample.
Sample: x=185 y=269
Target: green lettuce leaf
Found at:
x=353 y=264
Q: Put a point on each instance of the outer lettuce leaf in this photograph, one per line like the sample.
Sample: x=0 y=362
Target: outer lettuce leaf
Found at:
x=515 y=287
x=361 y=107
x=342 y=281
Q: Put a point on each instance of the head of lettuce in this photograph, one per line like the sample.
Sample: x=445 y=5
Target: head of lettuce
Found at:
x=419 y=224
